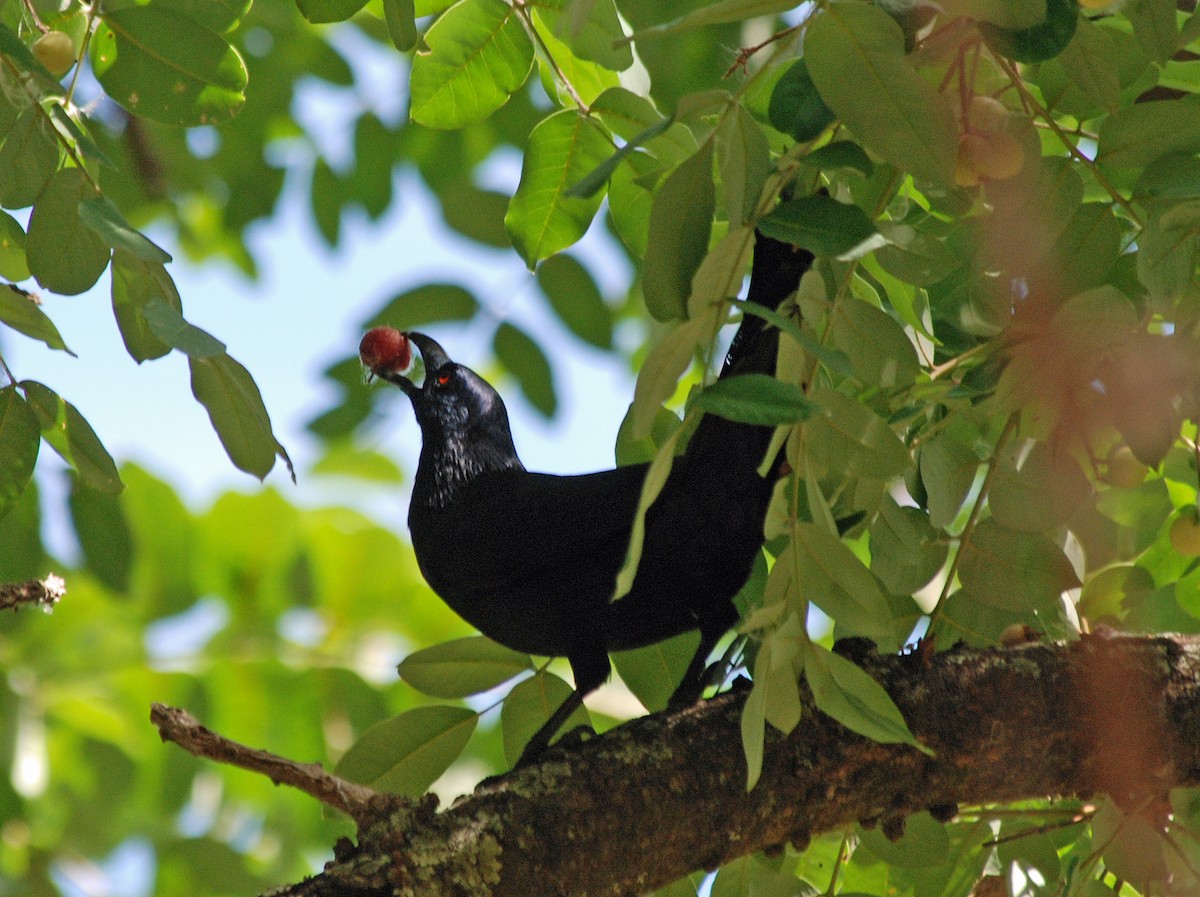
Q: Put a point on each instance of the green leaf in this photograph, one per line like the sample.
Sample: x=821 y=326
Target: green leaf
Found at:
x=754 y=730
x=877 y=346
x=321 y=11
x=855 y=54
x=820 y=224
x=20 y=437
x=220 y=16
x=756 y=399
x=104 y=534
x=1045 y=492
x=630 y=116
x=524 y=358
x=576 y=300
x=345 y=460
x=841 y=155
x=24 y=315
x=744 y=161
x=796 y=108
x=73 y=438
x=400 y=17
x=1168 y=249
x=462 y=667
x=110 y=225
x=427 y=304
x=777 y=670
x=1038 y=42
x=527 y=708
x=924 y=844
x=949 y=466
x=479 y=55
x=600 y=175
x=235 y=408
x=406 y=754
x=28 y=158
x=64 y=254
x=166 y=323
x=906 y=551
x=661 y=371
x=718 y=13
x=845 y=692
x=834 y=579
x=136 y=286
x=630 y=200
x=13 y=265
x=653 y=672
x=1137 y=135
x=167 y=67
x=593 y=31
x=853 y=439
x=542 y=219
x=1155 y=27
x=1088 y=59
x=680 y=226
x=1012 y=570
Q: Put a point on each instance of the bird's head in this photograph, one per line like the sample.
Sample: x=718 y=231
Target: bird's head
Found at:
x=464 y=424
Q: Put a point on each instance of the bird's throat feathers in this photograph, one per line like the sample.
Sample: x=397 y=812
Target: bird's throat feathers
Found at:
x=452 y=460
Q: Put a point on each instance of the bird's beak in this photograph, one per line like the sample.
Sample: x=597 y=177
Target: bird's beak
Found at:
x=433 y=356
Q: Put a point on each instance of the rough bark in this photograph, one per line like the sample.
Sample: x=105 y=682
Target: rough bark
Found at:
x=661 y=796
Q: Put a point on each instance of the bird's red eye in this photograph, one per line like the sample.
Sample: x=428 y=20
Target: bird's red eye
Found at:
x=443 y=379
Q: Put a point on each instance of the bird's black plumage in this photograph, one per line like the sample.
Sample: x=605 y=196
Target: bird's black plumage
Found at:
x=530 y=559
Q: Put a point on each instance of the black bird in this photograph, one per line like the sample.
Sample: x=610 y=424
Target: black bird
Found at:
x=530 y=559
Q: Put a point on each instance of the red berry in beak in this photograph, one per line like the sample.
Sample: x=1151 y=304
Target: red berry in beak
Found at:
x=385 y=350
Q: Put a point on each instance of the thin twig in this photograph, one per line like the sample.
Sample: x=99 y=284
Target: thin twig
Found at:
x=44 y=593
x=186 y=731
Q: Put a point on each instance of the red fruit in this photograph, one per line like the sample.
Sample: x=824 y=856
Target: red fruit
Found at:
x=385 y=350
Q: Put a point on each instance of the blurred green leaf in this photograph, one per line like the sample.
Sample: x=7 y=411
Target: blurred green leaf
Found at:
x=1013 y=570
x=426 y=304
x=104 y=534
x=322 y=11
x=1038 y=42
x=20 y=437
x=576 y=300
x=525 y=360
x=12 y=249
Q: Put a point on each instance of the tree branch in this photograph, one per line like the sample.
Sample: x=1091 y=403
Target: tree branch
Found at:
x=618 y=814
x=185 y=730
x=46 y=593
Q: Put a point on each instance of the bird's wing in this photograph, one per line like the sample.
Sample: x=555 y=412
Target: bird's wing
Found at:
x=514 y=530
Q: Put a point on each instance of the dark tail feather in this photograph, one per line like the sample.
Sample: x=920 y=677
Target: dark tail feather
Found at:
x=774 y=275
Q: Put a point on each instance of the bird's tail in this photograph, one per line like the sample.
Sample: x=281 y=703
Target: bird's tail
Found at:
x=774 y=275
